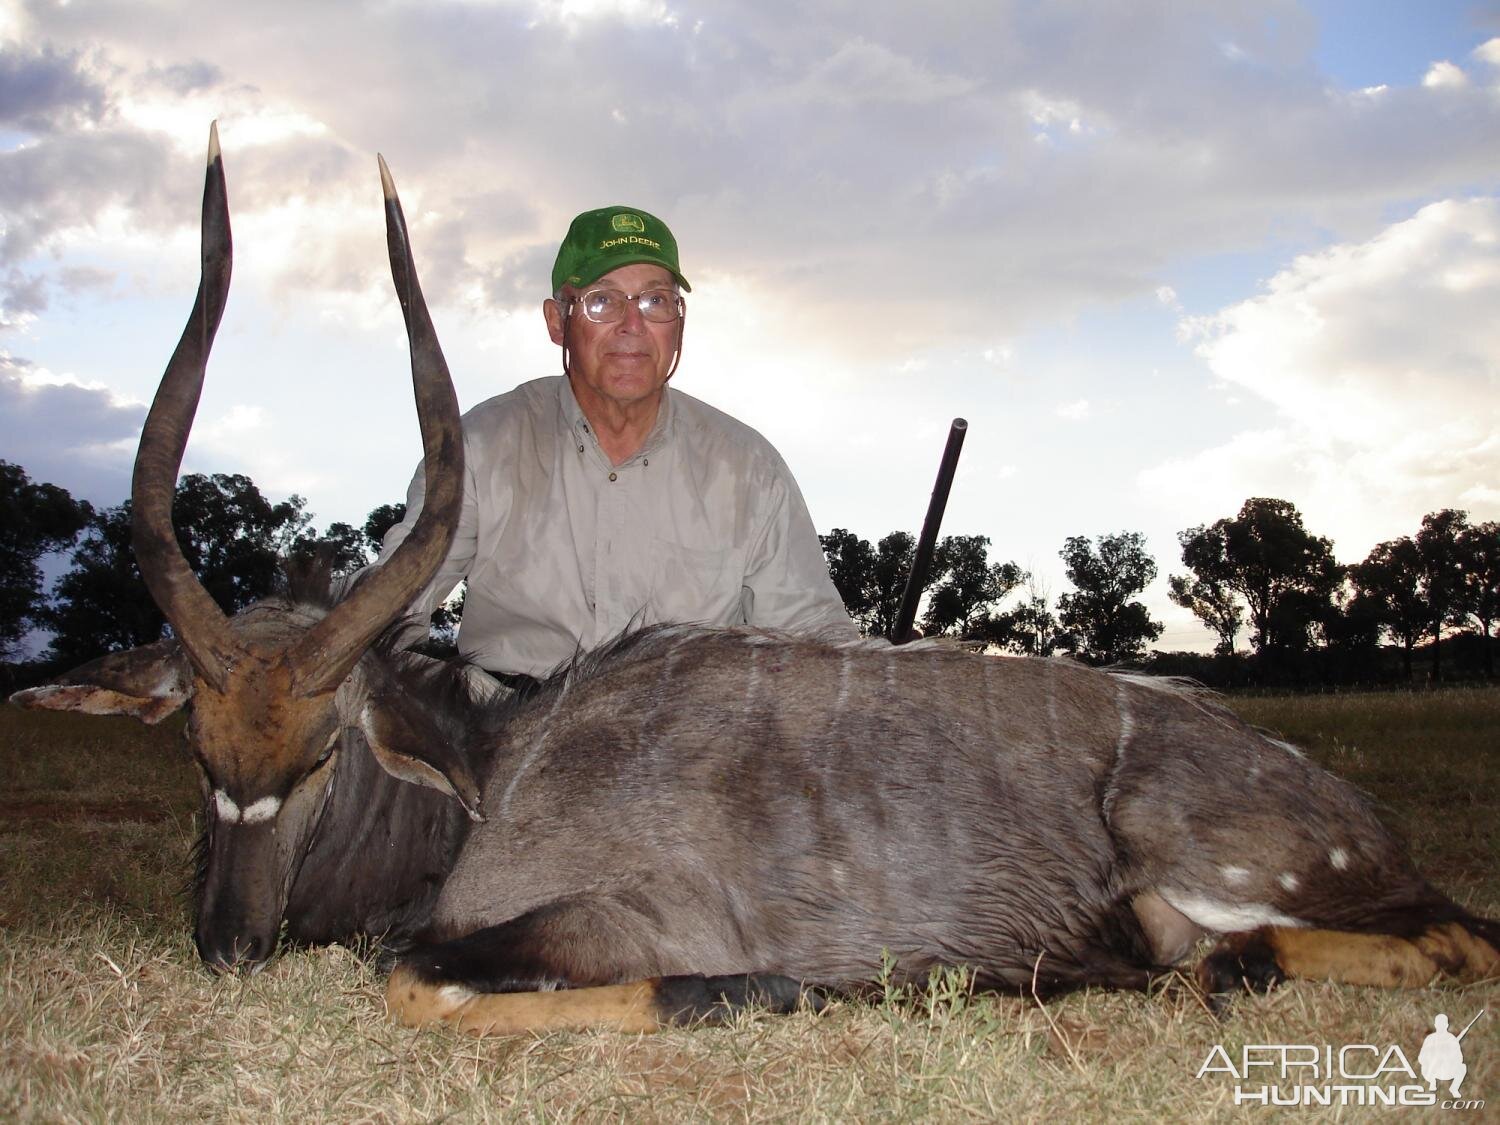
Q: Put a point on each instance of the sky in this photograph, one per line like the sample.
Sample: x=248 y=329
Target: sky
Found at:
x=1162 y=256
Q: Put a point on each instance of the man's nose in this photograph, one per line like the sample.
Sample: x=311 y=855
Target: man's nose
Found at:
x=634 y=321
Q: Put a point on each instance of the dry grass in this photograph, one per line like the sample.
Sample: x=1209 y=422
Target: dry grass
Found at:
x=105 y=1014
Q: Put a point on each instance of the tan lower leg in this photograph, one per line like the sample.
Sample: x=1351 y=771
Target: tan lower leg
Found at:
x=413 y=1002
x=1383 y=960
x=1371 y=959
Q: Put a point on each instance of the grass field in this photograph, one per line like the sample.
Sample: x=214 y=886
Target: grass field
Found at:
x=106 y=1014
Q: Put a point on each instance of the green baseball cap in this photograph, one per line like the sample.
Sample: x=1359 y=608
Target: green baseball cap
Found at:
x=611 y=237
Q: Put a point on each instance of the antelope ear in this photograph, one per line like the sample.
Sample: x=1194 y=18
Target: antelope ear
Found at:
x=147 y=683
x=413 y=751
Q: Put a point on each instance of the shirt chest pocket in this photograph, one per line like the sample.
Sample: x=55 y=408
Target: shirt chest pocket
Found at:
x=698 y=586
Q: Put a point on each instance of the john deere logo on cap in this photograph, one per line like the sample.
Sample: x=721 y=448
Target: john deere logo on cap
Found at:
x=628 y=224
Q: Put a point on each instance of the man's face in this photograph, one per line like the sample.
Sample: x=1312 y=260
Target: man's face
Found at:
x=624 y=363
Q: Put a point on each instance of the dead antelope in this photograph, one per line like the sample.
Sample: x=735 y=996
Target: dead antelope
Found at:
x=691 y=819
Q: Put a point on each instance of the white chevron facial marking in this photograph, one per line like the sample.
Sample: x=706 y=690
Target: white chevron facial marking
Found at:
x=224 y=805
x=258 y=813
x=262 y=810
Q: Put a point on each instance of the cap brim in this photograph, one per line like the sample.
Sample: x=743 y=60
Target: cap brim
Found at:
x=627 y=260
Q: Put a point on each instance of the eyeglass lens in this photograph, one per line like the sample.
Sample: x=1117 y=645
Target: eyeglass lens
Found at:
x=605 y=306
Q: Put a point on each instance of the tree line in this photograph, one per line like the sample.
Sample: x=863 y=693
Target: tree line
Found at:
x=231 y=535
x=1306 y=618
x=1260 y=574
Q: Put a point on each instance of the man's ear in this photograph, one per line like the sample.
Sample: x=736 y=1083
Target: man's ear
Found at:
x=411 y=750
x=147 y=683
x=552 y=311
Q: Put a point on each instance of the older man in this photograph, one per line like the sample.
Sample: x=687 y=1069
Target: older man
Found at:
x=605 y=499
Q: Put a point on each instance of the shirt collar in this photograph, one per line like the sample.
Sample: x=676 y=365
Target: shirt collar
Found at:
x=660 y=433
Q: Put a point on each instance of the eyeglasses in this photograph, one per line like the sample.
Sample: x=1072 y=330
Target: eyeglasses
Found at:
x=606 y=306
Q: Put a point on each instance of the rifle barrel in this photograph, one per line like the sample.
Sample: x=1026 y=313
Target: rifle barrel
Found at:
x=1470 y=1024
x=922 y=560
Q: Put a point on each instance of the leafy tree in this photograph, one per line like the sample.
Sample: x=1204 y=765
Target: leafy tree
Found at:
x=1286 y=576
x=1110 y=624
x=1033 y=629
x=35 y=520
x=1387 y=586
x=233 y=537
x=871 y=580
x=378 y=522
x=1442 y=581
x=851 y=565
x=1479 y=546
x=1213 y=603
x=893 y=558
x=230 y=535
x=967 y=590
x=101 y=604
x=344 y=546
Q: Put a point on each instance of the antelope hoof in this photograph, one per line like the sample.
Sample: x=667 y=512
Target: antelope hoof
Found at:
x=1240 y=963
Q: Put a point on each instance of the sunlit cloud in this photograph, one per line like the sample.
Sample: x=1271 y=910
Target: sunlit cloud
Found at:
x=1444 y=75
x=985 y=210
x=1382 y=357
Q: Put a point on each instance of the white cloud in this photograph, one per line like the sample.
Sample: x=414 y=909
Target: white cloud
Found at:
x=1445 y=75
x=1074 y=411
x=847 y=198
x=1383 y=361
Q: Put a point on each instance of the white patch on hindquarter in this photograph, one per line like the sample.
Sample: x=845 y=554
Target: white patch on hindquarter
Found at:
x=1288 y=880
x=1339 y=858
x=1235 y=876
x=1227 y=917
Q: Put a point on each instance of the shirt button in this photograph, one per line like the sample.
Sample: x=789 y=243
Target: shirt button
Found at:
x=613 y=476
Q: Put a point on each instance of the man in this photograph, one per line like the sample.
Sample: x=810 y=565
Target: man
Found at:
x=605 y=500
x=1442 y=1057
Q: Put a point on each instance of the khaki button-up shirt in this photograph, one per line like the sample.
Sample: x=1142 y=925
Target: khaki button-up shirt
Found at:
x=564 y=550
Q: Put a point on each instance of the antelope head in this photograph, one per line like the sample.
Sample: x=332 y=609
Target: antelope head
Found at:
x=270 y=691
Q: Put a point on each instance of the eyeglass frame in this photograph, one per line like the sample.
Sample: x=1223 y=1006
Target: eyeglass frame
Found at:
x=629 y=299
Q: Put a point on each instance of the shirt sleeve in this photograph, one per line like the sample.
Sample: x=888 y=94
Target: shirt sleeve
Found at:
x=786 y=576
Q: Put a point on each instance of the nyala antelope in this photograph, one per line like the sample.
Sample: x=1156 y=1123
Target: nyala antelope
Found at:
x=692 y=819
